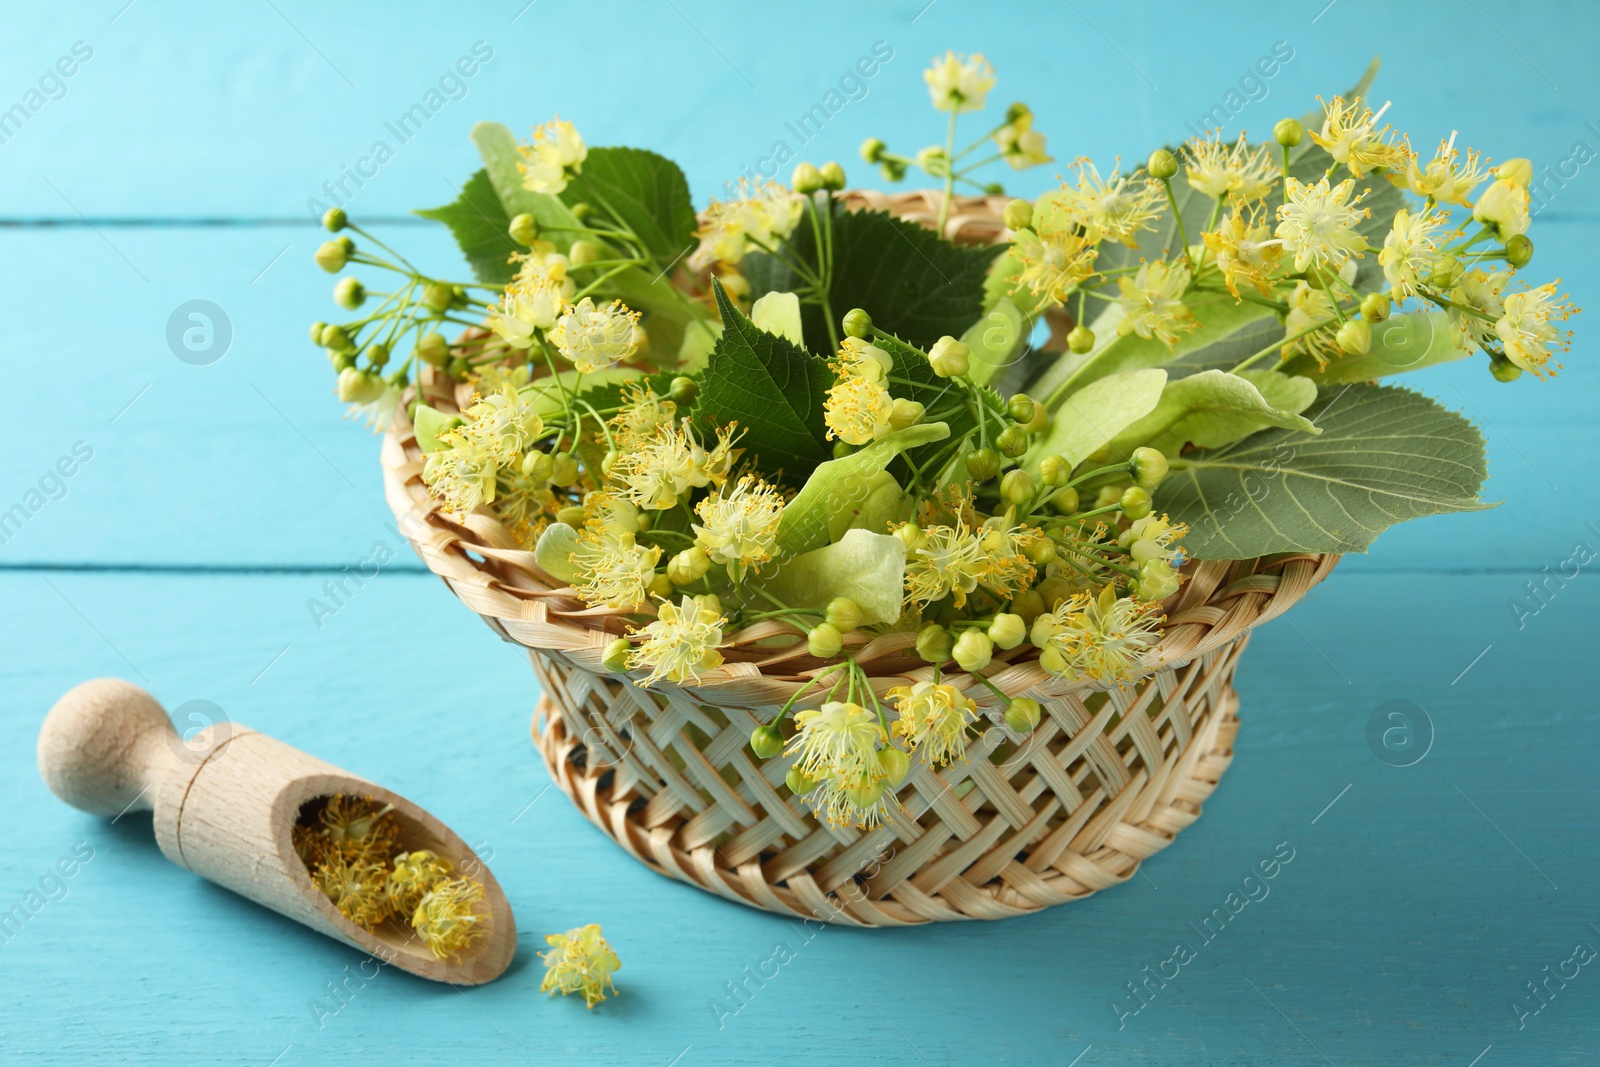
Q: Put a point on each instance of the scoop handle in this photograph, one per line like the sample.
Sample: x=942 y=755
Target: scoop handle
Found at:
x=106 y=746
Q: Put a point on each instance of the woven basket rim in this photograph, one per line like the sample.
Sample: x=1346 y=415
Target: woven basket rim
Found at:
x=497 y=578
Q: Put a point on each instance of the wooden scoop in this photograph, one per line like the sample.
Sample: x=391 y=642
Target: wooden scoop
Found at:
x=225 y=805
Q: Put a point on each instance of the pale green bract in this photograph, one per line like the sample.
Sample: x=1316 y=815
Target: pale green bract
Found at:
x=838 y=482
x=1089 y=418
x=1214 y=408
x=868 y=568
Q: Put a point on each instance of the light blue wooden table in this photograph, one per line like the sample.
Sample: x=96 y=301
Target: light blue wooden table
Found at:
x=175 y=164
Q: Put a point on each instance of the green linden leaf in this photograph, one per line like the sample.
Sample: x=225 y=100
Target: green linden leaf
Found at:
x=1400 y=343
x=913 y=283
x=645 y=192
x=1210 y=409
x=773 y=390
x=841 y=485
x=1384 y=455
x=1089 y=419
x=869 y=568
x=479 y=222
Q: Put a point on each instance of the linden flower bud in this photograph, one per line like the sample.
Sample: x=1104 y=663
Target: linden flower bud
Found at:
x=359 y=387
x=843 y=613
x=1008 y=630
x=330 y=256
x=1354 y=337
x=806 y=179
x=1054 y=470
x=661 y=589
x=972 y=650
x=336 y=338
x=1157 y=581
x=1503 y=369
x=933 y=160
x=799 y=782
x=766 y=741
x=1023 y=714
x=433 y=349
x=1519 y=250
x=983 y=464
x=1447 y=271
x=1288 y=132
x=1042 y=630
x=1148 y=467
x=334 y=219
x=949 y=357
x=910 y=536
x=934 y=643
x=316 y=332
x=1017 y=487
x=903 y=413
x=1021 y=408
x=1080 y=339
x=436 y=297
x=892 y=170
x=895 y=763
x=1066 y=501
x=1027 y=606
x=1018 y=215
x=1012 y=441
x=872 y=150
x=1162 y=164
x=564 y=469
x=538 y=465
x=1135 y=502
x=858 y=324
x=582 y=253
x=1040 y=550
x=349 y=293
x=824 y=641
x=683 y=390
x=572 y=515
x=1375 y=307
x=688 y=566
x=1518 y=171
x=832 y=175
x=523 y=229
x=616 y=654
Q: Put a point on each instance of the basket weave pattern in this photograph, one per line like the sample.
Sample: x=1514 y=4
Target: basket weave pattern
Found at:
x=1107 y=779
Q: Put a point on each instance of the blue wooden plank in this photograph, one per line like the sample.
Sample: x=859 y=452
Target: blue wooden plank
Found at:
x=183 y=114
x=1418 y=902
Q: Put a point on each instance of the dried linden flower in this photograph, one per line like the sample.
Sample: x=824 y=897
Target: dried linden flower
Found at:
x=580 y=961
x=415 y=874
x=446 y=917
x=356 y=887
x=357 y=827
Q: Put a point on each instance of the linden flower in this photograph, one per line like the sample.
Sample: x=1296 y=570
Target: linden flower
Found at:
x=1055 y=260
x=1245 y=253
x=949 y=560
x=857 y=411
x=660 y=470
x=1447 y=177
x=1349 y=136
x=447 y=917
x=414 y=876
x=1100 y=638
x=642 y=416
x=933 y=718
x=356 y=887
x=529 y=303
x=1005 y=549
x=508 y=419
x=1480 y=290
x=592 y=338
x=580 y=961
x=1409 y=251
x=741 y=525
x=1020 y=144
x=1114 y=208
x=761 y=215
x=1504 y=206
x=1318 y=223
x=1236 y=170
x=1310 y=308
x=1153 y=537
x=959 y=83
x=681 y=642
x=462 y=472
x=1152 y=303
x=613 y=570
x=1526 y=329
x=556 y=154
x=837 y=747
x=356 y=827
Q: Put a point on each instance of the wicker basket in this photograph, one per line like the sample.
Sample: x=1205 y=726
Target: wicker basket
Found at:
x=1107 y=779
